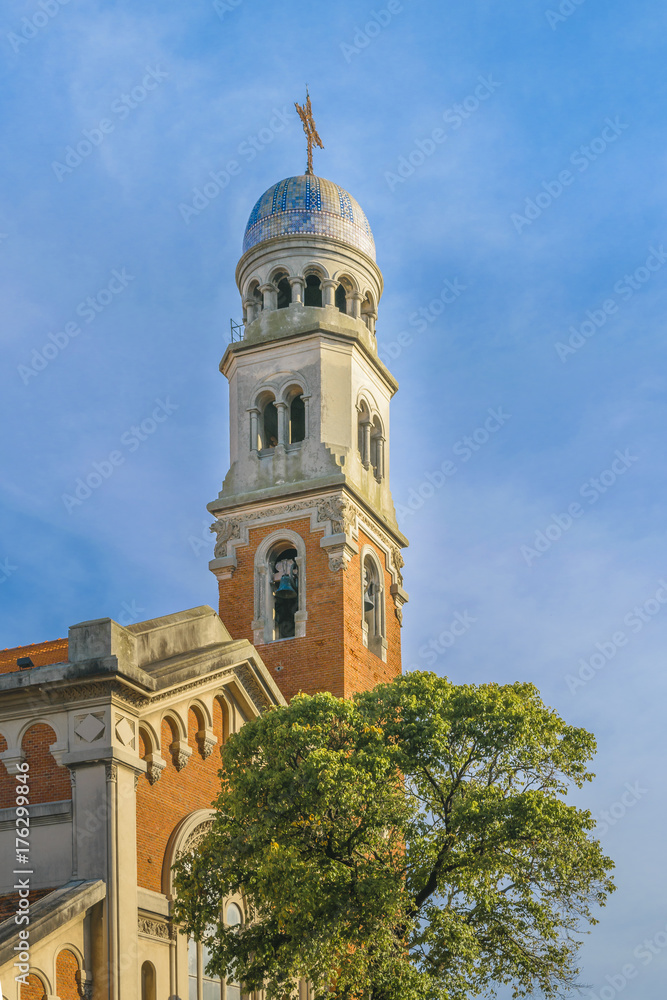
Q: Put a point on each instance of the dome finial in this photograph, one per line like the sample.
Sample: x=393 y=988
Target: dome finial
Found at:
x=306 y=115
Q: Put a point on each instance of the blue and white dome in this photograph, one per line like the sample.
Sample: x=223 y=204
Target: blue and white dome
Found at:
x=309 y=205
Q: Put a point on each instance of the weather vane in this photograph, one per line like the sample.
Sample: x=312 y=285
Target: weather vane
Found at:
x=306 y=115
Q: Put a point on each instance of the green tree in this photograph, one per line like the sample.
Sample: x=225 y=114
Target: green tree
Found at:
x=413 y=842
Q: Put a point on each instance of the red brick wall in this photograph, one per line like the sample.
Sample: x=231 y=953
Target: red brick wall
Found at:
x=160 y=807
x=331 y=656
x=48 y=782
x=66 y=968
x=34 y=990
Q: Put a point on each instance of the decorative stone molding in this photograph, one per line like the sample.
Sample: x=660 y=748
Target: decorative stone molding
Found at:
x=84 y=984
x=89 y=727
x=224 y=531
x=11 y=757
x=340 y=512
x=181 y=753
x=155 y=767
x=197 y=836
x=206 y=741
x=256 y=692
x=151 y=927
x=111 y=772
x=125 y=731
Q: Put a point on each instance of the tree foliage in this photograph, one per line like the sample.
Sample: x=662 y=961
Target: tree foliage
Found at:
x=413 y=842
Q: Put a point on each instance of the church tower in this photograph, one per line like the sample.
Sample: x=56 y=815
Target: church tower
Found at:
x=308 y=552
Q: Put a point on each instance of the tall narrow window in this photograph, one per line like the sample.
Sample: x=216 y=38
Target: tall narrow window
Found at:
x=284 y=292
x=341 y=299
x=269 y=425
x=297 y=419
x=193 y=978
x=285 y=591
x=211 y=984
x=373 y=606
x=313 y=291
x=233 y=919
x=148 y=982
x=377 y=449
x=364 y=434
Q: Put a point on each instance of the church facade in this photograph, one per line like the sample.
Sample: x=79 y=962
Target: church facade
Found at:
x=109 y=740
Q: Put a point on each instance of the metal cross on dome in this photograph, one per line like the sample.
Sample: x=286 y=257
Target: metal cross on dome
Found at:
x=305 y=113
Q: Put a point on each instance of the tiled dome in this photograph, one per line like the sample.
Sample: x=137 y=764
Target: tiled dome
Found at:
x=309 y=204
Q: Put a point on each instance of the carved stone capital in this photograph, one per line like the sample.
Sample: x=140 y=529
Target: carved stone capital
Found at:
x=181 y=753
x=206 y=741
x=84 y=984
x=155 y=767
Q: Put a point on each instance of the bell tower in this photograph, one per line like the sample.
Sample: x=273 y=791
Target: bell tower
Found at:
x=308 y=551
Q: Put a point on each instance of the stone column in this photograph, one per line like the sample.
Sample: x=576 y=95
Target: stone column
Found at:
x=283 y=423
x=329 y=287
x=298 y=284
x=354 y=300
x=270 y=296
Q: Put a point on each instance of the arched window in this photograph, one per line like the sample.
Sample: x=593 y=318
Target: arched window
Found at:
x=285 y=591
x=269 y=424
x=313 y=291
x=377 y=449
x=203 y=985
x=364 y=434
x=148 y=991
x=297 y=419
x=281 y=282
x=341 y=299
x=373 y=621
x=254 y=303
x=368 y=312
x=280 y=587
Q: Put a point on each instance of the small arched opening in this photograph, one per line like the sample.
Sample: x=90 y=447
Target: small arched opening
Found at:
x=268 y=424
x=368 y=312
x=284 y=589
x=297 y=418
x=377 y=449
x=373 y=622
x=148 y=987
x=364 y=433
x=341 y=299
x=312 y=295
x=284 y=290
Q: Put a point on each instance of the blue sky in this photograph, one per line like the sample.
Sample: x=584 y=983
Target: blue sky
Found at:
x=542 y=201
